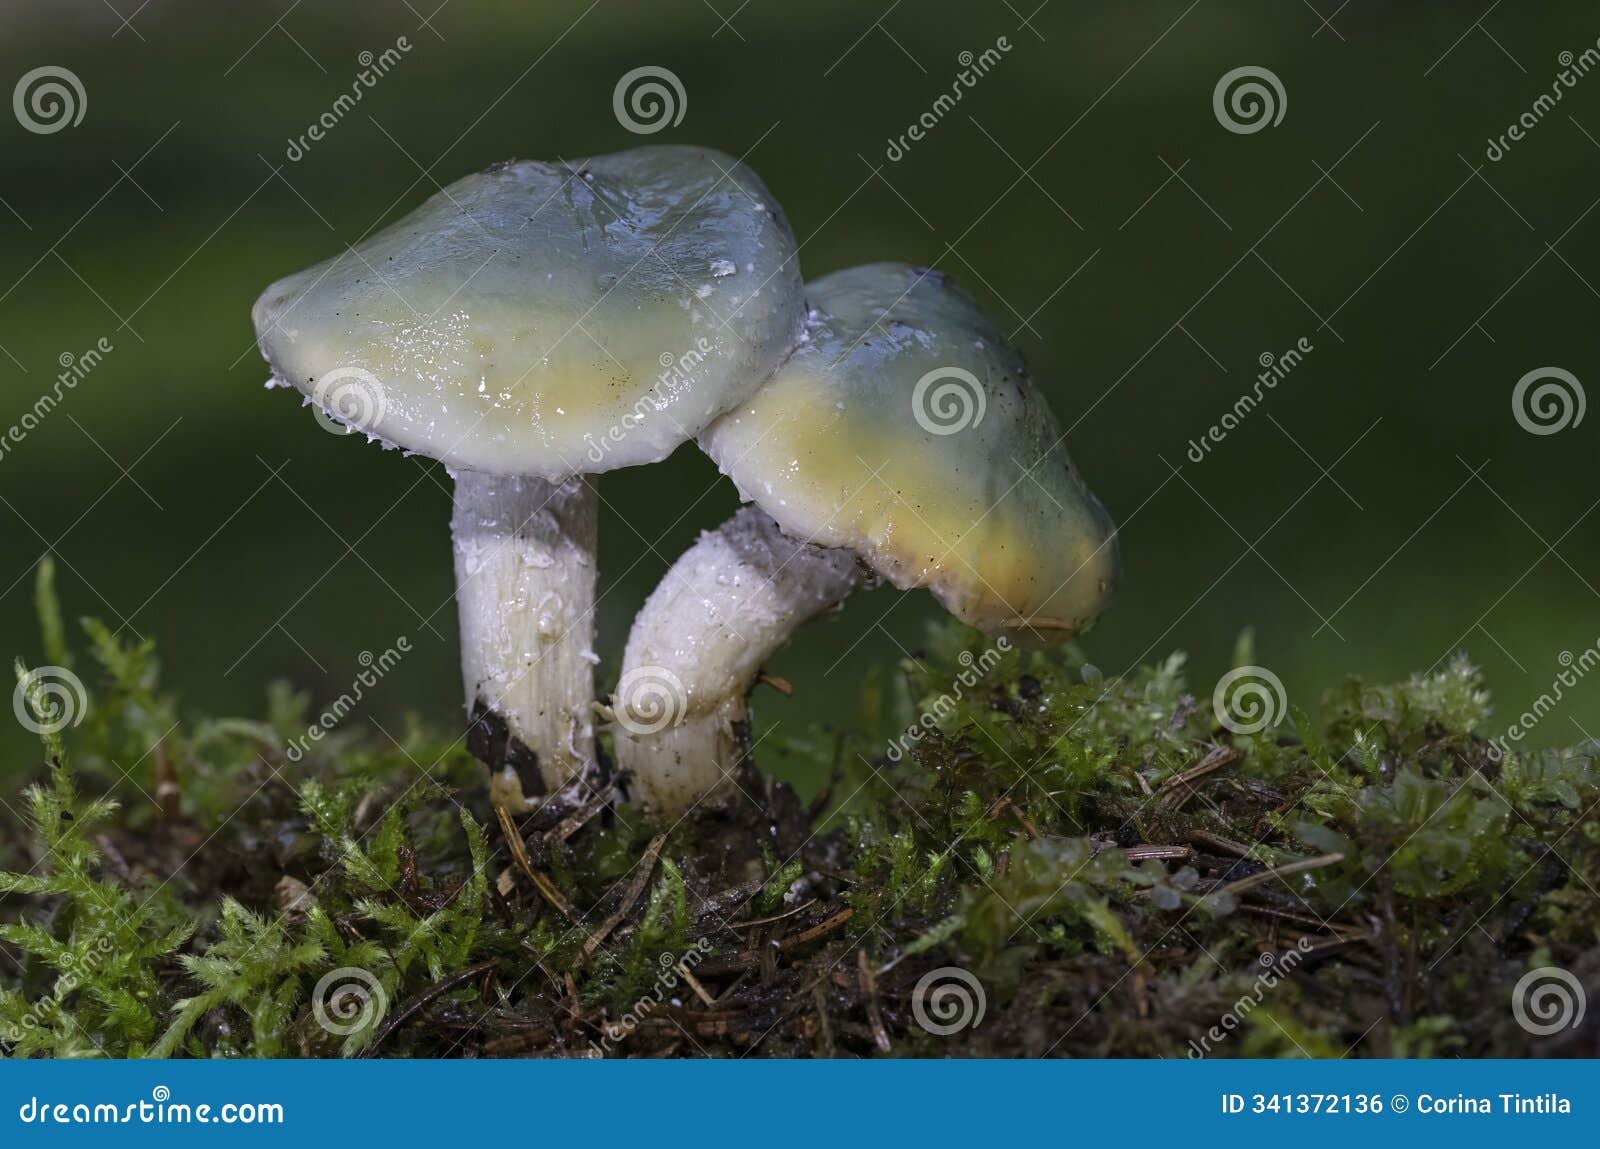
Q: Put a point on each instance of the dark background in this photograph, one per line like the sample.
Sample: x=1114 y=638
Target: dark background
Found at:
x=185 y=503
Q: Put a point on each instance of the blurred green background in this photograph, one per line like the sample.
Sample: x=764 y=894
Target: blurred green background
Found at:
x=1381 y=509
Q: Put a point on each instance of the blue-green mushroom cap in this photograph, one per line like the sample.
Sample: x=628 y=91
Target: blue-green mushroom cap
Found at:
x=549 y=319
x=907 y=429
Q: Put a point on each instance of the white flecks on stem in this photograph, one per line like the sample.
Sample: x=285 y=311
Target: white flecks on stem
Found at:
x=525 y=574
x=723 y=609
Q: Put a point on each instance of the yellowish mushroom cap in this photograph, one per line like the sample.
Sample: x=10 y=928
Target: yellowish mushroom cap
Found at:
x=907 y=429
x=549 y=319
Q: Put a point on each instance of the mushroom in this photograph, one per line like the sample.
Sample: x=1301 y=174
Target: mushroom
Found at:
x=726 y=606
x=904 y=431
x=528 y=326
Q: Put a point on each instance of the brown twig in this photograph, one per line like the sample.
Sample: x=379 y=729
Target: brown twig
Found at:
x=1026 y=822
x=434 y=991
x=519 y=852
x=406 y=855
x=869 y=986
x=1178 y=789
x=816 y=931
x=551 y=893
x=775 y=917
x=576 y=820
x=1218 y=842
x=502 y=908
x=641 y=878
x=729 y=899
x=747 y=960
x=1269 y=873
x=169 y=796
x=1140 y=853
x=1339 y=929
x=1335 y=943
x=694 y=984
x=574 y=1005
x=733 y=987
x=781 y=685
x=1005 y=803
x=819 y=998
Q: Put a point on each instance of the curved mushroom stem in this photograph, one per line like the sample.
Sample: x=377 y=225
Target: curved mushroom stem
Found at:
x=727 y=604
x=525 y=572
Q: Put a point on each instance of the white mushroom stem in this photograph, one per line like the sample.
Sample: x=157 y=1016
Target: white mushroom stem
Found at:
x=724 y=608
x=525 y=573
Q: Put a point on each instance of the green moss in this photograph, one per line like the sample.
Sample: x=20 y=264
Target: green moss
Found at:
x=1028 y=830
x=90 y=967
